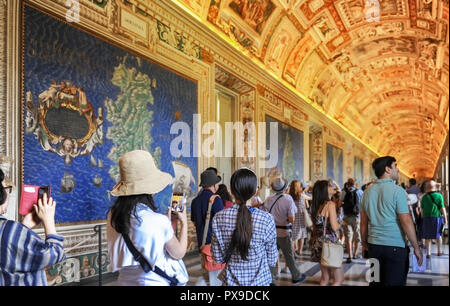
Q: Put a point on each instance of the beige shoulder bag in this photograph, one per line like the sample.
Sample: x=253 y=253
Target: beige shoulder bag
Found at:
x=332 y=253
x=308 y=221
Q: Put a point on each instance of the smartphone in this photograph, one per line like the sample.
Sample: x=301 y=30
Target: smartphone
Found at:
x=177 y=202
x=42 y=190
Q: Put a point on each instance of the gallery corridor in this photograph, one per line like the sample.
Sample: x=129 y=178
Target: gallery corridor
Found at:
x=114 y=109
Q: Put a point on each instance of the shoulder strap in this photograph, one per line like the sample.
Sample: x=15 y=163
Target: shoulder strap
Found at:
x=432 y=199
x=208 y=217
x=326 y=217
x=145 y=264
x=275 y=203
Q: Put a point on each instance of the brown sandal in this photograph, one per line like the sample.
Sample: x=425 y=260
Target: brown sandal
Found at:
x=440 y=254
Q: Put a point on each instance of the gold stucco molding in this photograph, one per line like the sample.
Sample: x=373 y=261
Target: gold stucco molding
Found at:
x=2 y=76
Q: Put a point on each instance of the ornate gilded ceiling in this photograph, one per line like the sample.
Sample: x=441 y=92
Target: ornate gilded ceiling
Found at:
x=380 y=68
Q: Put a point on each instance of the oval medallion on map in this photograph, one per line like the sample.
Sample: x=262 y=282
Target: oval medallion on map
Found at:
x=67 y=122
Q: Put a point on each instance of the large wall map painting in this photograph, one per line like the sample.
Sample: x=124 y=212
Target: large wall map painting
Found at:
x=359 y=171
x=290 y=151
x=86 y=103
x=335 y=164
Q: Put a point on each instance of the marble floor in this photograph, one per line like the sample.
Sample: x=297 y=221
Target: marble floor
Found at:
x=437 y=273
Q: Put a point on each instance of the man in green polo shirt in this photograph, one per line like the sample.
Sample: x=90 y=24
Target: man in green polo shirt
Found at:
x=385 y=224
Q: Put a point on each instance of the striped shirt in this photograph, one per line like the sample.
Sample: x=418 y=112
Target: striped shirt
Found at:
x=24 y=255
x=262 y=254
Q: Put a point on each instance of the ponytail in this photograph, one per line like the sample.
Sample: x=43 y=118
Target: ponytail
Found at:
x=242 y=234
x=2 y=189
x=243 y=186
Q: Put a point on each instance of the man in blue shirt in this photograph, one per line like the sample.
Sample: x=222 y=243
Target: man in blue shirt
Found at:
x=209 y=181
x=385 y=224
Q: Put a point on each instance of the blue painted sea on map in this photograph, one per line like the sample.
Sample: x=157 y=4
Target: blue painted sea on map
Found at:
x=60 y=52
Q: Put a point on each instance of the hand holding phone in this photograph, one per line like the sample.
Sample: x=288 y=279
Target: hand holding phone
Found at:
x=42 y=190
x=178 y=202
x=179 y=207
x=45 y=210
x=30 y=196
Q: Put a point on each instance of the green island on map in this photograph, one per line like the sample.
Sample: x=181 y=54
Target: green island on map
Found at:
x=129 y=115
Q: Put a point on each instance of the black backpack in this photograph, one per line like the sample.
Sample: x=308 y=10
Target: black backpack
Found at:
x=351 y=206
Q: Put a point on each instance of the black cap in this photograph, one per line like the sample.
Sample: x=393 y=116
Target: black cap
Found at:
x=209 y=178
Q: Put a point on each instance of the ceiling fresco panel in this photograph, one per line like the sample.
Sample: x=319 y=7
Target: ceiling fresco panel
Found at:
x=370 y=31
x=213 y=11
x=385 y=46
x=305 y=46
x=309 y=9
x=283 y=41
x=357 y=12
x=354 y=58
x=309 y=71
x=422 y=15
x=254 y=13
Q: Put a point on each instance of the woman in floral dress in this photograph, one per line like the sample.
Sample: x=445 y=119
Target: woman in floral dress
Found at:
x=321 y=206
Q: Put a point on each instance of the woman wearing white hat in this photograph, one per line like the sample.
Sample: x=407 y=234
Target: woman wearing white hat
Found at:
x=134 y=228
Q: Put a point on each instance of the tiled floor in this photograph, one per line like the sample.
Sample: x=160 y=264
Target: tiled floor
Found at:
x=437 y=273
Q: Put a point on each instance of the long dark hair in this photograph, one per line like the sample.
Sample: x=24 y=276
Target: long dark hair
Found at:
x=3 y=194
x=319 y=196
x=124 y=207
x=223 y=193
x=243 y=186
x=423 y=187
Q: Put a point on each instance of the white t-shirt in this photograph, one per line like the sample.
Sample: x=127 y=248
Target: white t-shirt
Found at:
x=412 y=199
x=149 y=237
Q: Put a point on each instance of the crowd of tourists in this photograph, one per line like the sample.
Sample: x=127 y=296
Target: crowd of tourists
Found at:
x=240 y=231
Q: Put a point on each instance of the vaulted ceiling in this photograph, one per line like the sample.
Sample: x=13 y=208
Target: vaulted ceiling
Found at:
x=379 y=67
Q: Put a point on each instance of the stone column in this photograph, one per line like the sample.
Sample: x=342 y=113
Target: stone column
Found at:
x=317 y=156
x=3 y=4
x=10 y=102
